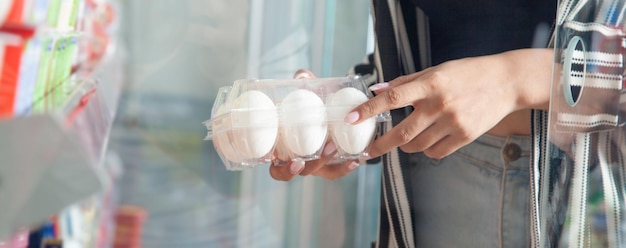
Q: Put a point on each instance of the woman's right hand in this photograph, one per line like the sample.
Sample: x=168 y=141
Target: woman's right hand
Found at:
x=459 y=100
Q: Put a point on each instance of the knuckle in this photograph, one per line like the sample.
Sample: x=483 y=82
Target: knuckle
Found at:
x=433 y=83
x=436 y=78
x=393 y=96
x=454 y=120
x=447 y=104
x=405 y=135
x=442 y=105
x=368 y=108
x=464 y=135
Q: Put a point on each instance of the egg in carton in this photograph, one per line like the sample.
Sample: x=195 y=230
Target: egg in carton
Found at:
x=257 y=120
x=244 y=129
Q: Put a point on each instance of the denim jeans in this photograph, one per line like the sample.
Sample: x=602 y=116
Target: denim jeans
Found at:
x=475 y=197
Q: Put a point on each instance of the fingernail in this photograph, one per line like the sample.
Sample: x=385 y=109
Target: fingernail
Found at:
x=352 y=117
x=353 y=166
x=329 y=149
x=379 y=86
x=296 y=167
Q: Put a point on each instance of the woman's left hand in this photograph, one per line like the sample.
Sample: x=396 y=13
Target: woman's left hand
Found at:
x=457 y=101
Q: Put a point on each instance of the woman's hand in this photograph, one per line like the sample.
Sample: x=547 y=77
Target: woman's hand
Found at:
x=457 y=101
x=285 y=170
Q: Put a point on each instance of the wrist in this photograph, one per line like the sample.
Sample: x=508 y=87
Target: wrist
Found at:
x=530 y=72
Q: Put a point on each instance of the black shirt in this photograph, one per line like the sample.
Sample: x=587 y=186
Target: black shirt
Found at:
x=460 y=28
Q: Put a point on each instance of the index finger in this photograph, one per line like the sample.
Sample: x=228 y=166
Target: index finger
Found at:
x=393 y=98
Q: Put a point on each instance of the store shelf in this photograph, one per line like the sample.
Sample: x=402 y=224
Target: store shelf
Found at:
x=51 y=160
x=60 y=78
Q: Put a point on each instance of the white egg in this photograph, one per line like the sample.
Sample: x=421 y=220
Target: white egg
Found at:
x=351 y=139
x=303 y=122
x=255 y=124
x=221 y=140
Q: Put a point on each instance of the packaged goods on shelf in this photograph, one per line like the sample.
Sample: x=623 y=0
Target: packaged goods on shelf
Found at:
x=46 y=48
x=19 y=240
x=55 y=113
x=11 y=46
x=37 y=74
x=47 y=14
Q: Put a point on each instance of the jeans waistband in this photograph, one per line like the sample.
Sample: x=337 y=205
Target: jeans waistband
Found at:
x=497 y=150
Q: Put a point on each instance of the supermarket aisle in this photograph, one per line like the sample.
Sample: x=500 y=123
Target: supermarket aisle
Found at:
x=60 y=76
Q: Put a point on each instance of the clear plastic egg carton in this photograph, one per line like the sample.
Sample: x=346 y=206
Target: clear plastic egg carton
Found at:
x=257 y=120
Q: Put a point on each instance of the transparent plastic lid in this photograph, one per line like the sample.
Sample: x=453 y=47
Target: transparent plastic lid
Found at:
x=256 y=120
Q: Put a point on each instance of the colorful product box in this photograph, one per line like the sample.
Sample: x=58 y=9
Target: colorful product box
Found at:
x=11 y=47
x=32 y=68
x=27 y=12
x=14 y=13
x=63 y=14
x=28 y=77
x=45 y=66
x=56 y=14
x=45 y=81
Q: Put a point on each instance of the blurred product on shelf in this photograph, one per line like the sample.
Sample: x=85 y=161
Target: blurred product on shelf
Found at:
x=19 y=240
x=26 y=23
x=129 y=221
x=52 y=243
x=44 y=52
x=56 y=112
x=46 y=234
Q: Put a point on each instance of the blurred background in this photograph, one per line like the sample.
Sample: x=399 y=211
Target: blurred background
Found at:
x=179 y=52
x=102 y=104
